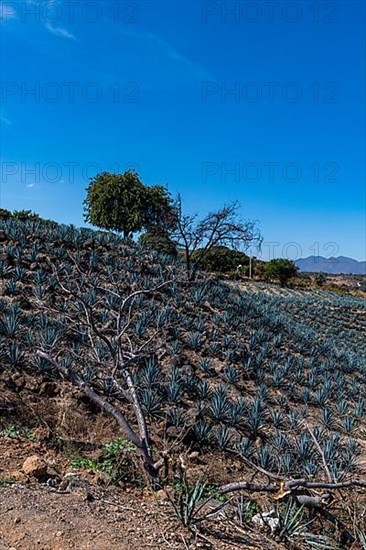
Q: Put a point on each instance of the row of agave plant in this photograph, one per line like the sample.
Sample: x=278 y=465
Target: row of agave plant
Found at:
x=235 y=371
x=339 y=319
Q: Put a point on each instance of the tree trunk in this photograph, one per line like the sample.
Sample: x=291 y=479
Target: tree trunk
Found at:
x=141 y=443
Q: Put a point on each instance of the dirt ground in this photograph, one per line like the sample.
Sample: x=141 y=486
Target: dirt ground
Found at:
x=34 y=516
x=38 y=518
x=90 y=517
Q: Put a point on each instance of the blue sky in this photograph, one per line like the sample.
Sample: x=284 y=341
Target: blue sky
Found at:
x=264 y=105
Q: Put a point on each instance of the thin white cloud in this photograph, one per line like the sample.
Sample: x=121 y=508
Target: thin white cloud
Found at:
x=169 y=51
x=7 y=12
x=31 y=185
x=59 y=31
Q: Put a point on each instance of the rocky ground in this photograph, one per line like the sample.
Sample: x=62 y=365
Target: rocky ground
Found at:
x=34 y=517
x=85 y=516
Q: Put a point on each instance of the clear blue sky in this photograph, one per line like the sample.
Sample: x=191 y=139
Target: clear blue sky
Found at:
x=161 y=73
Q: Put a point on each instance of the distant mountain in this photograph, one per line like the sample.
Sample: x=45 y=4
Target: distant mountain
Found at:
x=334 y=266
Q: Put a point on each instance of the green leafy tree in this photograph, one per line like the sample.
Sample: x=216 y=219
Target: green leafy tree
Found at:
x=259 y=269
x=281 y=269
x=121 y=202
x=159 y=240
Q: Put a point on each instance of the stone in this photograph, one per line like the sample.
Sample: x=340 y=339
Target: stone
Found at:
x=266 y=519
x=35 y=466
x=194 y=454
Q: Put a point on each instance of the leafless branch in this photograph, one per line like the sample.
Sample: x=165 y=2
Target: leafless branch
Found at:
x=220 y=228
x=291 y=484
x=320 y=450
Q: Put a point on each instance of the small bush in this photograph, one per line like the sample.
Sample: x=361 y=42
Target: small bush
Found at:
x=115 y=460
x=280 y=269
x=222 y=259
x=5 y=214
x=25 y=215
x=159 y=241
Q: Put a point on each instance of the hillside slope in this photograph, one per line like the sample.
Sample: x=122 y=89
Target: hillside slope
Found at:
x=231 y=380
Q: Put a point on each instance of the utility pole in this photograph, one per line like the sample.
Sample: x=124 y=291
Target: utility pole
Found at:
x=251 y=258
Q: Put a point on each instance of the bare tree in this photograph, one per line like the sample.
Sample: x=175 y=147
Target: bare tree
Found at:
x=101 y=312
x=221 y=228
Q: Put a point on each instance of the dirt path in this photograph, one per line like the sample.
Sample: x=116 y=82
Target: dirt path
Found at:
x=36 y=518
x=33 y=516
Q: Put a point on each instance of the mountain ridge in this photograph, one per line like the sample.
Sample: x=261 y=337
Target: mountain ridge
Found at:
x=334 y=265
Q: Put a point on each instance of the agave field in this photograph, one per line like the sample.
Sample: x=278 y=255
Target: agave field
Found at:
x=254 y=375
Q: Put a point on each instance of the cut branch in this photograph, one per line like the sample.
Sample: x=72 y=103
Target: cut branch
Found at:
x=291 y=484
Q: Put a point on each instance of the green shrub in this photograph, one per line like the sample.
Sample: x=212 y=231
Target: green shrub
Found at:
x=5 y=214
x=115 y=460
x=281 y=269
x=320 y=279
x=25 y=215
x=222 y=259
x=160 y=242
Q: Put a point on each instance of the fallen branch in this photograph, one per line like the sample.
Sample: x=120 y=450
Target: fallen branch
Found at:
x=322 y=485
x=246 y=485
x=311 y=502
x=291 y=484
